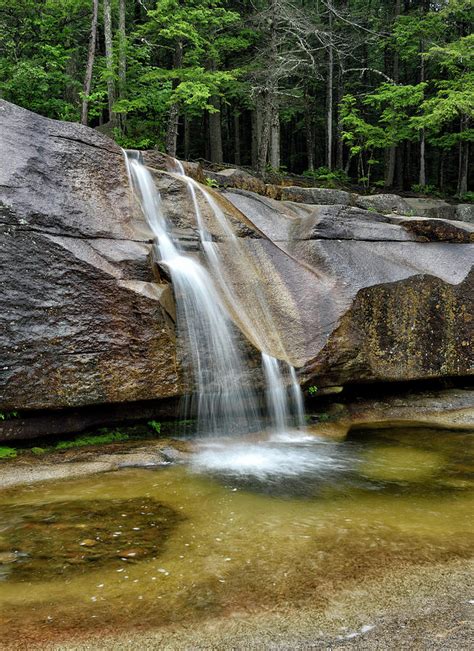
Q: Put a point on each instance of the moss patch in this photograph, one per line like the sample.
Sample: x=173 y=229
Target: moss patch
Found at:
x=93 y=439
x=7 y=452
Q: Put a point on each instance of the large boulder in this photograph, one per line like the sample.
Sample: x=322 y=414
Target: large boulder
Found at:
x=83 y=320
x=465 y=212
x=343 y=293
x=431 y=208
x=317 y=196
x=384 y=203
x=373 y=297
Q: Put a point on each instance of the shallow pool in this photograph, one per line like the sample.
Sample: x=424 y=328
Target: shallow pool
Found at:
x=244 y=527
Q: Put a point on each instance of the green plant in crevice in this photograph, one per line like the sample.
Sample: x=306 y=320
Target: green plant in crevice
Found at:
x=324 y=417
x=312 y=390
x=211 y=183
x=93 y=439
x=9 y=415
x=155 y=426
x=7 y=452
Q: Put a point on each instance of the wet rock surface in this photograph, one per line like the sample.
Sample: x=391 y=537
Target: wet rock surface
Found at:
x=357 y=292
x=66 y=538
x=83 y=320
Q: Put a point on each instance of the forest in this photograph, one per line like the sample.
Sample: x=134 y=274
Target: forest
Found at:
x=377 y=93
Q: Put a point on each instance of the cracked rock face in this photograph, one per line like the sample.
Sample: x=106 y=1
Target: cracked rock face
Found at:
x=87 y=318
x=83 y=320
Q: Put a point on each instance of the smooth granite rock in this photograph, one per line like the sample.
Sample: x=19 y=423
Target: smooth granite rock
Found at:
x=88 y=318
x=83 y=320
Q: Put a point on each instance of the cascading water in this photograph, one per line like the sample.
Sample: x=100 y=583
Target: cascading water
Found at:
x=284 y=410
x=224 y=398
x=277 y=399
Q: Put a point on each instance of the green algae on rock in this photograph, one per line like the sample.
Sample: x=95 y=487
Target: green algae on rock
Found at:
x=61 y=539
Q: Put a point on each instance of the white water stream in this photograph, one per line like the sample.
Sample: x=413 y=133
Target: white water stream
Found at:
x=224 y=397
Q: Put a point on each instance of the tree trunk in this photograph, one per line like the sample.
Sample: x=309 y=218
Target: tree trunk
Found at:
x=264 y=140
x=109 y=58
x=392 y=152
x=255 y=137
x=422 y=175
x=215 y=132
x=122 y=63
x=309 y=142
x=237 y=156
x=172 y=131
x=122 y=48
x=205 y=123
x=340 y=142
x=294 y=151
x=90 y=62
x=187 y=137
x=463 y=161
x=348 y=164
x=275 y=139
x=171 y=141
x=390 y=167
x=400 y=158
x=464 y=170
x=329 y=94
x=442 y=162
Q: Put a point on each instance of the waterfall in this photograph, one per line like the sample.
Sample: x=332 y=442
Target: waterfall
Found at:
x=277 y=399
x=297 y=398
x=224 y=396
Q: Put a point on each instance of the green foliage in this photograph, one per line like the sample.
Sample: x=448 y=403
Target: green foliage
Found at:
x=38 y=451
x=7 y=452
x=394 y=106
x=155 y=426
x=205 y=56
x=425 y=189
x=312 y=390
x=324 y=417
x=39 y=39
x=466 y=197
x=106 y=436
x=206 y=33
x=212 y=183
x=9 y=415
x=324 y=174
